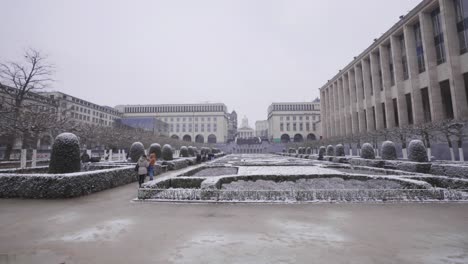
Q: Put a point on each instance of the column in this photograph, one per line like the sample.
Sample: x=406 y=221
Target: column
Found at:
x=340 y=106
x=323 y=112
x=352 y=101
x=387 y=90
x=361 y=125
x=347 y=104
x=457 y=84
x=367 y=94
x=413 y=74
x=336 y=110
x=435 y=96
x=331 y=120
x=399 y=81
x=377 y=85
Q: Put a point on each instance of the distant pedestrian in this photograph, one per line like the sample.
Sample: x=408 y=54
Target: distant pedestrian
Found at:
x=85 y=157
x=152 y=162
x=142 y=169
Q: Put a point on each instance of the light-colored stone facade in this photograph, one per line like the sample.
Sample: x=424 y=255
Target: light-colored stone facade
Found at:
x=203 y=123
x=245 y=131
x=294 y=122
x=416 y=72
x=82 y=111
x=261 y=128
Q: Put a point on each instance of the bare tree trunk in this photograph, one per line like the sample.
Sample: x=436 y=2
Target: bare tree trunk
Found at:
x=452 y=154
x=460 y=150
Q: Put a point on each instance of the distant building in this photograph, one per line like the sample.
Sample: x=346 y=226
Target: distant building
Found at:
x=232 y=125
x=202 y=123
x=150 y=124
x=261 y=129
x=83 y=111
x=294 y=122
x=245 y=131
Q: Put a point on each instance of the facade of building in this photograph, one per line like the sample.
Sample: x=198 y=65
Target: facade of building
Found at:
x=416 y=72
x=150 y=124
x=245 y=131
x=261 y=129
x=82 y=111
x=203 y=123
x=294 y=122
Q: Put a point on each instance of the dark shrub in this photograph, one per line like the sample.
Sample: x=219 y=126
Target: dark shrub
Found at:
x=167 y=153
x=156 y=149
x=184 y=152
x=367 y=151
x=389 y=151
x=308 y=150
x=339 y=150
x=417 y=151
x=191 y=151
x=65 y=156
x=321 y=153
x=330 y=150
x=136 y=151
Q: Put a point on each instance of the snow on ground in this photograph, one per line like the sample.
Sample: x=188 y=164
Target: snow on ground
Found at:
x=312 y=184
x=106 y=231
x=282 y=170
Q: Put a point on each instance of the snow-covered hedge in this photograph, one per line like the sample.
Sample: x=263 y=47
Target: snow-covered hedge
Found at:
x=389 y=151
x=167 y=153
x=367 y=151
x=330 y=150
x=417 y=151
x=308 y=150
x=191 y=151
x=184 y=152
x=321 y=153
x=136 y=151
x=65 y=156
x=156 y=149
x=339 y=150
x=452 y=170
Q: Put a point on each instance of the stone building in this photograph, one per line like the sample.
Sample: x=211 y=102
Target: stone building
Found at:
x=203 y=123
x=294 y=122
x=82 y=111
x=261 y=129
x=245 y=131
x=416 y=72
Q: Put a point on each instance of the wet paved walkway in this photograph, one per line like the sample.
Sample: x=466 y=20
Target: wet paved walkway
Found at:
x=107 y=228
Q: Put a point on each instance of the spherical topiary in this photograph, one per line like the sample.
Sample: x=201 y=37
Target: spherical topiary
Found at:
x=308 y=150
x=322 y=151
x=136 y=151
x=339 y=150
x=191 y=151
x=389 y=151
x=330 y=150
x=156 y=149
x=167 y=153
x=367 y=151
x=184 y=152
x=292 y=150
x=65 y=156
x=417 y=151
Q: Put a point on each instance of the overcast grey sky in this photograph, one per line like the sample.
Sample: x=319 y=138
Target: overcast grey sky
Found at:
x=244 y=53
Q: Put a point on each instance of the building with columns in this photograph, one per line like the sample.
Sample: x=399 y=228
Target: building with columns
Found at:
x=202 y=123
x=294 y=122
x=245 y=131
x=416 y=72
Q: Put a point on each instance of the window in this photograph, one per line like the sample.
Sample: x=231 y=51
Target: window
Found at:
x=446 y=99
x=294 y=127
x=308 y=126
x=288 y=127
x=307 y=118
x=392 y=71
x=409 y=108
x=404 y=60
x=438 y=36
x=300 y=118
x=395 y=112
x=461 y=9
x=287 y=118
x=294 y=118
x=419 y=48
x=301 y=127
x=384 y=116
x=426 y=104
x=313 y=127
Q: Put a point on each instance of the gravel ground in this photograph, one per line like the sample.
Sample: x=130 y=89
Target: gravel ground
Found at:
x=312 y=184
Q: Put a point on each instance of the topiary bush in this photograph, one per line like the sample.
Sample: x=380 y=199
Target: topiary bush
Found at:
x=389 y=151
x=321 y=153
x=308 y=150
x=330 y=151
x=65 y=156
x=136 y=151
x=417 y=151
x=156 y=149
x=292 y=151
x=367 y=151
x=339 y=150
x=167 y=153
x=184 y=152
x=191 y=151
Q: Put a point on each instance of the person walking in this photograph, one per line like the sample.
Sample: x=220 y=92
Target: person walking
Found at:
x=152 y=162
x=142 y=169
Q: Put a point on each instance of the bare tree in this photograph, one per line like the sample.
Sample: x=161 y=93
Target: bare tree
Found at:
x=18 y=81
x=454 y=130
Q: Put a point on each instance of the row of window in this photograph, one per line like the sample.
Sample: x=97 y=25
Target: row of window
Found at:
x=295 y=127
x=177 y=128
x=174 y=109
x=294 y=118
x=461 y=9
x=295 y=107
x=90 y=119
x=184 y=119
x=89 y=112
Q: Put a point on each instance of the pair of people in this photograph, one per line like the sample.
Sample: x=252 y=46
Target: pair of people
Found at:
x=146 y=167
